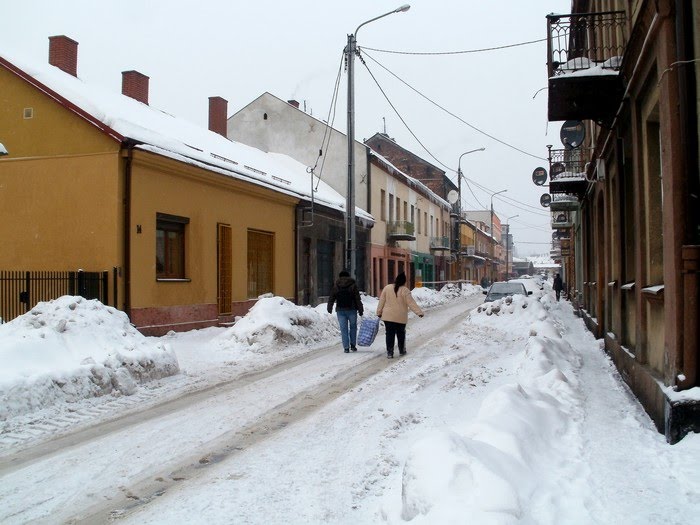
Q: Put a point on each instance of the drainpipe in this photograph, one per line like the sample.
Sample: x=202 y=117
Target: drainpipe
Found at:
x=127 y=226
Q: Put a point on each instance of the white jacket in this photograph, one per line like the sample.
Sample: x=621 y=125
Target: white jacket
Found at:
x=394 y=307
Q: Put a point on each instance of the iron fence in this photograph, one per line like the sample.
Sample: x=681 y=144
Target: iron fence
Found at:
x=21 y=290
x=583 y=40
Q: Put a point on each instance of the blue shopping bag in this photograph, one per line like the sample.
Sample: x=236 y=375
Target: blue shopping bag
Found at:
x=368 y=331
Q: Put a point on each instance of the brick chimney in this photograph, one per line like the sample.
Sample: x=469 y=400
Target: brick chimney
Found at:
x=63 y=53
x=294 y=103
x=218 y=108
x=135 y=85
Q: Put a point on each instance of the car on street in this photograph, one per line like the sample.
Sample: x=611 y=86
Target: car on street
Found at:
x=531 y=285
x=501 y=289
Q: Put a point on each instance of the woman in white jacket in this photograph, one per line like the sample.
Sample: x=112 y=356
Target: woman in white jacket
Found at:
x=394 y=303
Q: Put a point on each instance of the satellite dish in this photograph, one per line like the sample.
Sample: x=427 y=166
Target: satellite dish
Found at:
x=452 y=196
x=539 y=176
x=572 y=134
x=546 y=200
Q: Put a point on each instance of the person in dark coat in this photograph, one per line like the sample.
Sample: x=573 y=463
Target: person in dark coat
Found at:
x=346 y=296
x=558 y=285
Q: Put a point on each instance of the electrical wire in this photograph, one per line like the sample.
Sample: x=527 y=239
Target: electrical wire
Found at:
x=483 y=188
x=424 y=53
x=451 y=113
x=329 y=124
x=401 y=118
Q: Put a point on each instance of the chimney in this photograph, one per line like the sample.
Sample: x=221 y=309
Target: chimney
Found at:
x=294 y=103
x=217 y=115
x=63 y=53
x=135 y=85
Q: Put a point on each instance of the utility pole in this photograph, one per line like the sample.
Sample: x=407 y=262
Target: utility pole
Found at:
x=350 y=230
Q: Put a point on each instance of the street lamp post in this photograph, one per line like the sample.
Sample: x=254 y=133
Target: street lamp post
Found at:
x=508 y=242
x=459 y=209
x=493 y=237
x=350 y=51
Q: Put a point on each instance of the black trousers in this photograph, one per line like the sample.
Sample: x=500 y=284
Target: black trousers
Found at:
x=395 y=330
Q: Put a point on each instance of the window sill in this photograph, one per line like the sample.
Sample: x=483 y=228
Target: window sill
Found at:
x=164 y=280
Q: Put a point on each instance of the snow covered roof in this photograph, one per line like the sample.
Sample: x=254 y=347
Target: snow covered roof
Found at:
x=410 y=180
x=123 y=117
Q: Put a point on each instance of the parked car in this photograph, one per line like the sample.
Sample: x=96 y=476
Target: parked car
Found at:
x=531 y=285
x=502 y=289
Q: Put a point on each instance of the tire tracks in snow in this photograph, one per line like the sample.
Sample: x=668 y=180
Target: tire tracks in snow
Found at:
x=148 y=484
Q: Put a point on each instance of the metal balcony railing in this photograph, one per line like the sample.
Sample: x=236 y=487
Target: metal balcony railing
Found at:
x=400 y=231
x=585 y=40
x=568 y=164
x=440 y=243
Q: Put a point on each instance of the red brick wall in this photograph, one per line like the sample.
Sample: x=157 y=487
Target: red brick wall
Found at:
x=63 y=53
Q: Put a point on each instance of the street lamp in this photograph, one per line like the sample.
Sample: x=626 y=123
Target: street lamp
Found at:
x=459 y=209
x=350 y=51
x=492 y=235
x=507 y=241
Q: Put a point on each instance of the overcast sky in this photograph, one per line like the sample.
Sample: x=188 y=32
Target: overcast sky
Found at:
x=239 y=49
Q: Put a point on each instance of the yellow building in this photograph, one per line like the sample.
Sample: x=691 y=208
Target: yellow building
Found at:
x=192 y=227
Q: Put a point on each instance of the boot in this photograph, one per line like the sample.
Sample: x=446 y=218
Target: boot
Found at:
x=390 y=354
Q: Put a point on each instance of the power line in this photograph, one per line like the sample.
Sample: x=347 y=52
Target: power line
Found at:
x=424 y=53
x=483 y=188
x=329 y=124
x=451 y=113
x=401 y=118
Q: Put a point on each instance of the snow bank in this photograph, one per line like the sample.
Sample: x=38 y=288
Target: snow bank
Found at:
x=427 y=297
x=485 y=469
x=72 y=348
x=275 y=320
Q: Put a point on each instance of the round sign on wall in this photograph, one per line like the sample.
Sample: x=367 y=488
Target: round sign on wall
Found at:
x=546 y=200
x=539 y=176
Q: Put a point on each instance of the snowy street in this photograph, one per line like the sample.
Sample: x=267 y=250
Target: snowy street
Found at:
x=504 y=414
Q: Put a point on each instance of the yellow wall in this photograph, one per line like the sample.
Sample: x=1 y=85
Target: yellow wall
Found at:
x=60 y=192
x=166 y=186
x=52 y=130
x=60 y=213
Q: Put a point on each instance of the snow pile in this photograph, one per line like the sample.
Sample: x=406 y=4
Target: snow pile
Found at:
x=273 y=321
x=499 y=467
x=427 y=297
x=72 y=348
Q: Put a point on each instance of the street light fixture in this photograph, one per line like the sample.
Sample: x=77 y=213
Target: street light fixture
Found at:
x=459 y=210
x=508 y=243
x=492 y=235
x=350 y=51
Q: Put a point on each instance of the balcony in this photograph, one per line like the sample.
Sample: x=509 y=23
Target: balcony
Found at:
x=561 y=221
x=400 y=231
x=564 y=202
x=439 y=243
x=567 y=171
x=584 y=53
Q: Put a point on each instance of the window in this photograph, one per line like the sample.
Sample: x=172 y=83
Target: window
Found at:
x=260 y=257
x=405 y=211
x=391 y=207
x=418 y=230
x=382 y=204
x=170 y=246
x=425 y=221
x=325 y=254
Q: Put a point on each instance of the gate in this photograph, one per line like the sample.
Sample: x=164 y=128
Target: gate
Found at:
x=20 y=291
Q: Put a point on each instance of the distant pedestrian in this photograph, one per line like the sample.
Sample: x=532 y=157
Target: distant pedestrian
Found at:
x=558 y=285
x=484 y=282
x=394 y=302
x=348 y=304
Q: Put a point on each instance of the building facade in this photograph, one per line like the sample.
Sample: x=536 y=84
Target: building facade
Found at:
x=623 y=77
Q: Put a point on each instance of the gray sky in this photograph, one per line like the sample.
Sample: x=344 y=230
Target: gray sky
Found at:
x=240 y=49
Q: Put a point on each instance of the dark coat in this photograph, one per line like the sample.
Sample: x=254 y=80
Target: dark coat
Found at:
x=557 y=285
x=346 y=295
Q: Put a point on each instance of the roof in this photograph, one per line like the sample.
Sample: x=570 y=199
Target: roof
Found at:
x=122 y=117
x=411 y=181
